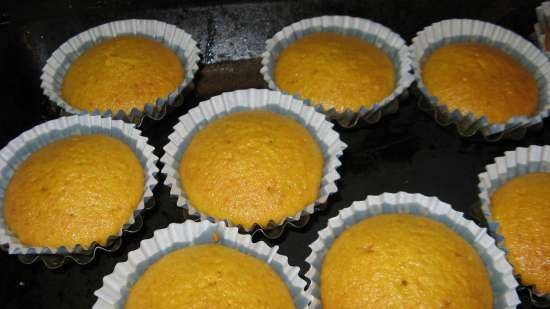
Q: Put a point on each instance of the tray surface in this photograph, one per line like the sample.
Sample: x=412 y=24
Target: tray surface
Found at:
x=406 y=151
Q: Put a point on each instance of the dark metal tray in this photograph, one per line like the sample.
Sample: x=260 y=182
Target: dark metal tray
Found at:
x=406 y=151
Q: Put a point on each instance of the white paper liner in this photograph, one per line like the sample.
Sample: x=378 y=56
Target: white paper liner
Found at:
x=467 y=30
x=171 y=36
x=117 y=285
x=382 y=37
x=20 y=148
x=500 y=271
x=543 y=21
x=513 y=164
x=252 y=99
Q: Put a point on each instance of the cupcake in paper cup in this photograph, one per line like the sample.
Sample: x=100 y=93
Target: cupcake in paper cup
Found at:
x=541 y=27
x=516 y=203
x=481 y=78
x=127 y=69
x=347 y=68
x=407 y=250
x=72 y=186
x=257 y=159
x=202 y=264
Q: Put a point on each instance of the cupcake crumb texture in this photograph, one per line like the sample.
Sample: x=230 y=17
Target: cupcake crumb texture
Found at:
x=121 y=74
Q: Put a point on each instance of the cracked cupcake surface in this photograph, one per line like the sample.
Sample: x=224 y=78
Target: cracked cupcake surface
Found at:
x=209 y=276
x=252 y=167
x=403 y=261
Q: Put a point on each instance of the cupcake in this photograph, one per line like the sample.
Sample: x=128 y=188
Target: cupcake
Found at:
x=252 y=167
x=88 y=185
x=349 y=68
x=407 y=250
x=128 y=69
x=73 y=183
x=401 y=259
x=515 y=201
x=209 y=276
x=253 y=158
x=122 y=73
x=543 y=39
x=481 y=77
x=202 y=265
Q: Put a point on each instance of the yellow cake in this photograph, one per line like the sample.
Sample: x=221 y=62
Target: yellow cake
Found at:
x=477 y=78
x=209 y=276
x=121 y=74
x=522 y=209
x=252 y=167
x=340 y=71
x=403 y=261
x=73 y=191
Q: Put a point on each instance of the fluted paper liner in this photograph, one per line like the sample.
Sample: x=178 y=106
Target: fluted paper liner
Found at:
x=252 y=99
x=513 y=164
x=500 y=271
x=171 y=36
x=382 y=37
x=20 y=148
x=543 y=21
x=117 y=285
x=467 y=30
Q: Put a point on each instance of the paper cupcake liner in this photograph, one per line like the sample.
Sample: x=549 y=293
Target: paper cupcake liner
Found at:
x=466 y=30
x=382 y=37
x=117 y=285
x=172 y=37
x=500 y=271
x=20 y=148
x=251 y=99
x=513 y=164
x=543 y=21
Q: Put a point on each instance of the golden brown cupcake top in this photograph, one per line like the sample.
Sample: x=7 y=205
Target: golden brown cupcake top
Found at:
x=73 y=191
x=481 y=79
x=338 y=70
x=121 y=74
x=403 y=261
x=252 y=167
x=522 y=209
x=209 y=276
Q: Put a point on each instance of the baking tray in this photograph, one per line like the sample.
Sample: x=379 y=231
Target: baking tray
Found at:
x=406 y=151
